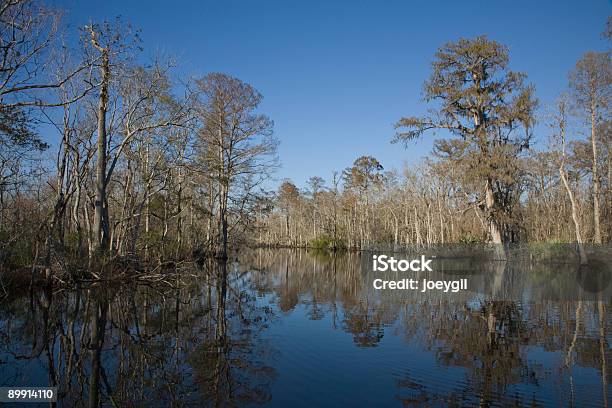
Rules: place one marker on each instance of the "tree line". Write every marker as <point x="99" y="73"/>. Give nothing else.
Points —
<point x="488" y="180"/>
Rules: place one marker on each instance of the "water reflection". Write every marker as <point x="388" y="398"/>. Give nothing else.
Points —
<point x="280" y="327"/>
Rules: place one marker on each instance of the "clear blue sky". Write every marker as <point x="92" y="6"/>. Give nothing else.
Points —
<point x="336" y="75"/>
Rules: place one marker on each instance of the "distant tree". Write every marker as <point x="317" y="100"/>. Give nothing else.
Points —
<point x="315" y="184"/>
<point x="288" y="198"/>
<point x="365" y="172"/>
<point x="485" y="104"/>
<point x="288" y="194"/>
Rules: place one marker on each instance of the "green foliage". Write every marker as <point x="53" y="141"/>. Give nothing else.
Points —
<point x="366" y="171"/>
<point x="550" y="250"/>
<point x="151" y="238"/>
<point x="325" y="242"/>
<point x="17" y="254"/>
<point x="469" y="239"/>
<point x="71" y="241"/>
<point x="489" y="110"/>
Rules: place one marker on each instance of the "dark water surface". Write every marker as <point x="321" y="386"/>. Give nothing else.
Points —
<point x="292" y="328"/>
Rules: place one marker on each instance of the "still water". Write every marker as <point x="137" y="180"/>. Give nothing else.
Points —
<point x="293" y="328"/>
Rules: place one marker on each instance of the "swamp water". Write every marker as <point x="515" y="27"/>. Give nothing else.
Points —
<point x="293" y="328"/>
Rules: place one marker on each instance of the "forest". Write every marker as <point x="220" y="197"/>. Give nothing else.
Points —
<point x="108" y="155"/>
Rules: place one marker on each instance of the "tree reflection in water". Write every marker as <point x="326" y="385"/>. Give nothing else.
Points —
<point x="202" y="339"/>
<point x="135" y="344"/>
<point x="491" y="341"/>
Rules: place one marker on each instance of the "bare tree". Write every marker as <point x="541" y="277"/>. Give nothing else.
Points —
<point x="591" y="85"/>
<point x="141" y="103"/>
<point x="28" y="34"/>
<point x="236" y="146"/>
<point x="559" y="129"/>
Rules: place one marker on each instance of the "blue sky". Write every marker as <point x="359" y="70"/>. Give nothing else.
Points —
<point x="336" y="75"/>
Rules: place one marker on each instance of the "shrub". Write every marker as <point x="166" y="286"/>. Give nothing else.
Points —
<point x="325" y="242"/>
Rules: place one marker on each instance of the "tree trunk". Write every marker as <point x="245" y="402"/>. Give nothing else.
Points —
<point x="179" y="212"/>
<point x="563" y="174"/>
<point x="100" y="226"/>
<point x="417" y="228"/>
<point x="147" y="203"/>
<point x="495" y="234"/>
<point x="609" y="191"/>
<point x="596" y="208"/>
<point x="581" y="252"/>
